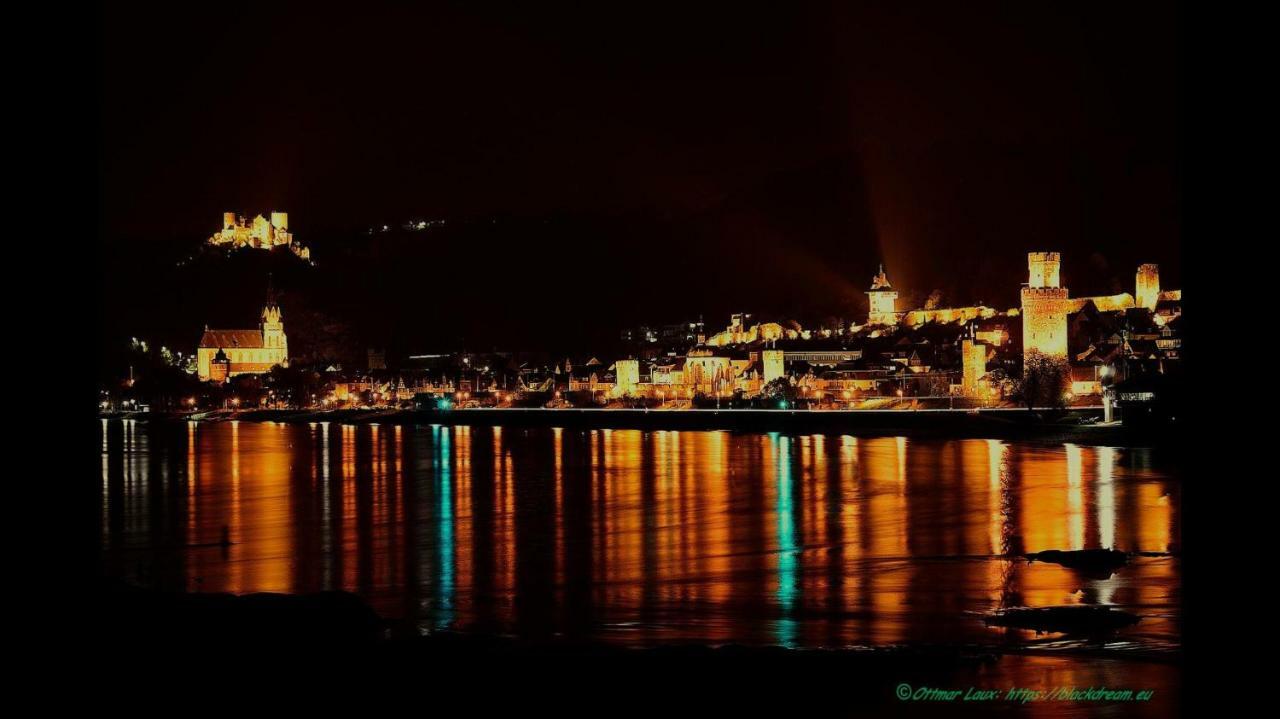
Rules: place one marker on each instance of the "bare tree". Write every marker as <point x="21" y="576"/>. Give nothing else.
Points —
<point x="1043" y="383"/>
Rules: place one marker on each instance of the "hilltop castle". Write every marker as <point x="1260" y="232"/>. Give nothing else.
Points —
<point x="262" y="234"/>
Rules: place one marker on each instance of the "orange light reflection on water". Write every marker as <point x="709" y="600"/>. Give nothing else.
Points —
<point x="646" y="537"/>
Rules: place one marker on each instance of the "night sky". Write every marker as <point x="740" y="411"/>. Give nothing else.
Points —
<point x="644" y="162"/>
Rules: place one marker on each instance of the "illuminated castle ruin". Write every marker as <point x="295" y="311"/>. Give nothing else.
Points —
<point x="914" y="318"/>
<point x="883" y="299"/>
<point x="739" y="333"/>
<point x="1044" y="307"/>
<point x="227" y="353"/>
<point x="884" y="308"/>
<point x="262" y="234"/>
<point x="1104" y="303"/>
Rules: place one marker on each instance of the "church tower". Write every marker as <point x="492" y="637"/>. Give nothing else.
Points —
<point x="884" y="298"/>
<point x="1044" y="307"/>
<point x="273" y="337"/>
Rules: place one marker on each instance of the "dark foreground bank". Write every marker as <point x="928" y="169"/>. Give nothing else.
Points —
<point x="1074" y="425"/>
<point x="133" y="629"/>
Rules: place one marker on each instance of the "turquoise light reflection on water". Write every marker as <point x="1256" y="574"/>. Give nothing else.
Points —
<point x="444" y="525"/>
<point x="788" y="548"/>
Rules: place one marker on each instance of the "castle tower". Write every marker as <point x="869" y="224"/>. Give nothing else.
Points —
<point x="273" y="337"/>
<point x="228" y="221"/>
<point x="1045" y="269"/>
<point x="261" y="232"/>
<point x="219" y="367"/>
<point x="884" y="298"/>
<point x="1147" y="292"/>
<point x="772" y="360"/>
<point x="626" y="377"/>
<point x="279" y="228"/>
<point x="1044" y="307"/>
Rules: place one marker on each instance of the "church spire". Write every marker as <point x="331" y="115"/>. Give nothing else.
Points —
<point x="880" y="281"/>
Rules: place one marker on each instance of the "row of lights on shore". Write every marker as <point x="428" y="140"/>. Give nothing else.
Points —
<point x="499" y="396"/>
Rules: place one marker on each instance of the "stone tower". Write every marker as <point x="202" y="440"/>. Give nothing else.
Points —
<point x="219" y="367"/>
<point x="974" y="360"/>
<point x="1147" y="292"/>
<point x="883" y="299"/>
<point x="1044" y="307"/>
<point x="626" y="377"/>
<point x="772" y="361"/>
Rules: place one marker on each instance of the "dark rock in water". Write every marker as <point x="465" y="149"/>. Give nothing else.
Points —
<point x="1093" y="561"/>
<point x="147" y="617"/>
<point x="1080" y="619"/>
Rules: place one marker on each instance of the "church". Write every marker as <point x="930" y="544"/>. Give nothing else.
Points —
<point x="226" y="353"/>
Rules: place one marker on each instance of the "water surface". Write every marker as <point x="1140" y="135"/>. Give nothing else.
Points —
<point x="646" y="538"/>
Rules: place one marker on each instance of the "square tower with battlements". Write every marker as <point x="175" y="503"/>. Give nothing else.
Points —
<point x="1044" y="307"/>
<point x="1147" y="292"/>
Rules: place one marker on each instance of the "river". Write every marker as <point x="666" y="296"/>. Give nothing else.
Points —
<point x="648" y="538"/>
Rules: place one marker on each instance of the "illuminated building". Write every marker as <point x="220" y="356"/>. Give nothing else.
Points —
<point x="772" y="361"/>
<point x="1147" y="289"/>
<point x="667" y="371"/>
<point x="1044" y="307"/>
<point x="592" y="376"/>
<point x="219" y="367"/>
<point x="883" y="300"/>
<point x="994" y="333"/>
<point x="678" y="333"/>
<point x="245" y="351"/>
<point x="708" y="373"/>
<point x="626" y="377"/>
<point x="974" y="361"/>
<point x="261" y="233"/>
